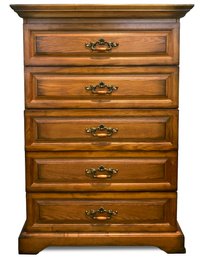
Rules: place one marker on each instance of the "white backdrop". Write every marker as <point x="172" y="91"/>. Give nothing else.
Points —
<point x="12" y="205"/>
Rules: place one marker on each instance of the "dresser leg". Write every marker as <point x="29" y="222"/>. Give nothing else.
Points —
<point x="173" y="250"/>
<point x="30" y="245"/>
<point x="173" y="244"/>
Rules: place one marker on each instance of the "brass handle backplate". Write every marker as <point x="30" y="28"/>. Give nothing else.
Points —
<point x="101" y="45"/>
<point x="101" y="214"/>
<point x="101" y="131"/>
<point x="101" y="89"/>
<point x="101" y="172"/>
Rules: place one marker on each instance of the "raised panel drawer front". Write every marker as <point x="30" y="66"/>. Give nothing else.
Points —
<point x="97" y="212"/>
<point x="102" y="44"/>
<point x="101" y="171"/>
<point x="101" y="129"/>
<point x="101" y="87"/>
<point x="101" y="125"/>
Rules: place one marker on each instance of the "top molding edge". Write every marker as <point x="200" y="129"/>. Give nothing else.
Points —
<point x="102" y="11"/>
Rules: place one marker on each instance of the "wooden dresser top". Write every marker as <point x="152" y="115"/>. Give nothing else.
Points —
<point x="99" y="11"/>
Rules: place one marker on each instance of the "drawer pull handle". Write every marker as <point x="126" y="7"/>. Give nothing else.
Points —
<point x="101" y="172"/>
<point x="101" y="89"/>
<point x="101" y="45"/>
<point x="101" y="214"/>
<point x="101" y="131"/>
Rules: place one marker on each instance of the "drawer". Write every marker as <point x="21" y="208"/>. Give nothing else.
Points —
<point x="101" y="87"/>
<point x="101" y="171"/>
<point x="97" y="212"/>
<point x="113" y="44"/>
<point x="101" y="129"/>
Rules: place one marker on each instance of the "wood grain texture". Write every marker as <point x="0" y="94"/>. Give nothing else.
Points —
<point x="66" y="130"/>
<point x="137" y="171"/>
<point x="147" y="212"/>
<point x="139" y="196"/>
<point x="140" y="87"/>
<point x="64" y="44"/>
<point x="102" y="11"/>
<point x="170" y="242"/>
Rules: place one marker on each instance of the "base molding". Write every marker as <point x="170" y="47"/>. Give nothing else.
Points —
<point x="33" y="243"/>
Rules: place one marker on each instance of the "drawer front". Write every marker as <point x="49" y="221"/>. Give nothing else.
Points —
<point x="101" y="212"/>
<point x="101" y="87"/>
<point x="101" y="130"/>
<point x="102" y="44"/>
<point x="101" y="171"/>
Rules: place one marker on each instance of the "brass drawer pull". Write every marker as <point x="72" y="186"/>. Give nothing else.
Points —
<point x="101" y="45"/>
<point x="101" y="89"/>
<point x="101" y="172"/>
<point x="101" y="214"/>
<point x="101" y="131"/>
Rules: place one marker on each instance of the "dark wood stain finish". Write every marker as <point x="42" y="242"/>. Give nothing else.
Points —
<point x="101" y="125"/>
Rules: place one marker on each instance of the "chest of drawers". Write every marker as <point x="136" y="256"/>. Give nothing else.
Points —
<point x="101" y="125"/>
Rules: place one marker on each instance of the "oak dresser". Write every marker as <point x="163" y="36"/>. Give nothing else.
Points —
<point x="101" y="125"/>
